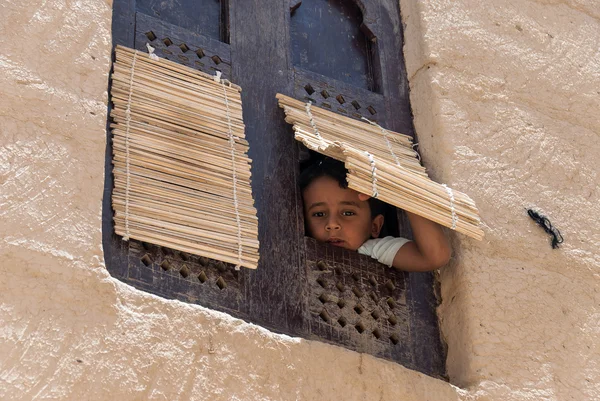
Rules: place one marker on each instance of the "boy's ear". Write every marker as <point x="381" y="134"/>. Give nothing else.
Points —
<point x="376" y="225"/>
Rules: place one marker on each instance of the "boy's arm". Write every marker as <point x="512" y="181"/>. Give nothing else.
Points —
<point x="430" y="249"/>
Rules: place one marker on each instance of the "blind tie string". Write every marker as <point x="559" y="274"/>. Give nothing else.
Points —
<point x="217" y="78"/>
<point x="414" y="147"/>
<point x="127" y="161"/>
<point x="452" y="209"/>
<point x="385" y="136"/>
<point x="313" y="123"/>
<point x="373" y="174"/>
<point x="151" y="53"/>
<point x="234" y="174"/>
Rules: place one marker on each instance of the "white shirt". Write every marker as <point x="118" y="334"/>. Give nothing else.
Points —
<point x="383" y="249"/>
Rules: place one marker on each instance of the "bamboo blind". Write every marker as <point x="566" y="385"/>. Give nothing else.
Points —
<point x="181" y="170"/>
<point x="382" y="164"/>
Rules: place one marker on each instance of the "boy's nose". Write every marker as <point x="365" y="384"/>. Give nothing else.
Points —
<point x="332" y="224"/>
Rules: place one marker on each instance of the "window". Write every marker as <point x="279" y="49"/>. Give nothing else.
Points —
<point x="301" y="287"/>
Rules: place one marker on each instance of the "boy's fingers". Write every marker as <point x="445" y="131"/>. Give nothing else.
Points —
<point x="363" y="197"/>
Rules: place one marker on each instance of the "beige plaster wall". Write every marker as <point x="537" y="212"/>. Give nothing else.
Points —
<point x="506" y="98"/>
<point x="68" y="330"/>
<point x="505" y="108"/>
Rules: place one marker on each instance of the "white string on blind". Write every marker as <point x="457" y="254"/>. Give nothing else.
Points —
<point x="181" y="169"/>
<point x="381" y="164"/>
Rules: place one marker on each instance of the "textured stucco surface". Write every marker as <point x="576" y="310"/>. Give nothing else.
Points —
<point x="506" y="99"/>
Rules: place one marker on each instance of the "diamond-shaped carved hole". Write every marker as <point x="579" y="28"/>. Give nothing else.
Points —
<point x="357" y="292"/>
<point x="146" y="260"/>
<point x="389" y="285"/>
<point x="391" y="303"/>
<point x="377" y="334"/>
<point x="200" y="53"/>
<point x="373" y="281"/>
<point x="202" y="277"/>
<point x="340" y="99"/>
<point x="151" y="36"/>
<point x="323" y="298"/>
<point x="203" y="260"/>
<point x="394" y="339"/>
<point x="321" y="265"/>
<point x="166" y="265"/>
<point x="375" y="314"/>
<point x="341" y="303"/>
<point x="342" y="321"/>
<point x="184" y="48"/>
<point x="393" y="320"/>
<point x="338" y="271"/>
<point x="359" y="309"/>
<point x="184" y="256"/>
<point x="221" y="267"/>
<point x="326" y="105"/>
<point x="221" y="283"/>
<point x="145" y="245"/>
<point x="374" y="297"/>
<point x="372" y="110"/>
<point x="355" y="104"/>
<point x="167" y="42"/>
<point x="360" y="327"/>
<point x="309" y="89"/>
<point x="217" y="60"/>
<point x="340" y="287"/>
<point x="356" y="276"/>
<point x="325" y="316"/>
<point x="325" y="94"/>
<point x="322" y="282"/>
<point x="185" y="271"/>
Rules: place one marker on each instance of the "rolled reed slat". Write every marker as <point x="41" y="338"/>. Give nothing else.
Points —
<point x="181" y="170"/>
<point x="207" y="201"/>
<point x="401" y="180"/>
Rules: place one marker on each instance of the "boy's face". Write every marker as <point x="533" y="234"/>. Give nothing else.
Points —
<point x="337" y="215"/>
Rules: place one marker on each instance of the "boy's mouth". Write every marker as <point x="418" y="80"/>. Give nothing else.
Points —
<point x="336" y="241"/>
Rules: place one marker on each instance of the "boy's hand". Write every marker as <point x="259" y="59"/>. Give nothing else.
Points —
<point x="430" y="249"/>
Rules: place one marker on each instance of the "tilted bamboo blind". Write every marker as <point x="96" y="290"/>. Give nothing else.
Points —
<point x="181" y="170"/>
<point x="382" y="164"/>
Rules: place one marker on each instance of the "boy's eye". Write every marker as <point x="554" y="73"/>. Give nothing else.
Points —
<point x="348" y="213"/>
<point x="318" y="214"/>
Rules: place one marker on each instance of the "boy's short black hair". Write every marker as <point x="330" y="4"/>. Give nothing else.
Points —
<point x="323" y="166"/>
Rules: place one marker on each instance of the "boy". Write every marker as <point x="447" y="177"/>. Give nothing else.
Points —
<point x="345" y="218"/>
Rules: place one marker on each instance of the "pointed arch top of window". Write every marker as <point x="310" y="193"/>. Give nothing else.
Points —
<point x="328" y="37"/>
